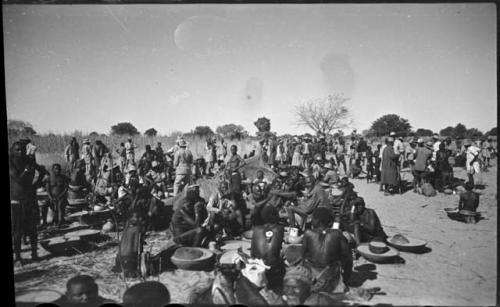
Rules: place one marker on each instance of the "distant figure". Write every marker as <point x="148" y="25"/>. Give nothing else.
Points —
<point x="146" y="294"/>
<point x="72" y="153"/>
<point x="422" y="159"/>
<point x="183" y="160"/>
<point x="122" y="155"/>
<point x="89" y="160"/>
<point x="472" y="163"/>
<point x="390" y="173"/>
<point x="130" y="152"/>
<point x="159" y="154"/>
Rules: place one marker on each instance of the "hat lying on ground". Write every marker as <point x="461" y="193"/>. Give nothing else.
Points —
<point x="377" y="252"/>
<point x="406" y="244"/>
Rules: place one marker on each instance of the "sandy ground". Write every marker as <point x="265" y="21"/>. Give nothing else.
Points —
<point x="460" y="269"/>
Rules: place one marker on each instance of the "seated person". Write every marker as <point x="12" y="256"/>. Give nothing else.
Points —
<point x="297" y="289"/>
<point x="355" y="168"/>
<point x="131" y="244"/>
<point x="221" y="214"/>
<point x="188" y="217"/>
<point x="325" y="252"/>
<point x="257" y="200"/>
<point x="331" y="175"/>
<point x="146" y="294"/>
<point x="469" y="201"/>
<point x="283" y="196"/>
<point x="260" y="180"/>
<point x="82" y="289"/>
<point x="364" y="225"/>
<point x="266" y="244"/>
<point x="78" y="182"/>
<point x="315" y="197"/>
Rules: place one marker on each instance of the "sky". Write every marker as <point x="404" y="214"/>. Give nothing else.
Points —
<point x="175" y="67"/>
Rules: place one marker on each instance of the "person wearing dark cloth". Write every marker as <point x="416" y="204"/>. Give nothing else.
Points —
<point x="377" y="162"/>
<point x="422" y="159"/>
<point x="361" y="149"/>
<point x="122" y="154"/>
<point x="468" y="202"/>
<point x="355" y="168"/>
<point x="82" y="289"/>
<point x="188" y="217"/>
<point x="159" y="153"/>
<point x="258" y="199"/>
<point x="57" y="188"/>
<point x="78" y="181"/>
<point x="146" y="294"/>
<point x="325" y="252"/>
<point x="444" y="172"/>
<point x="316" y="197"/>
<point x="234" y="164"/>
<point x="390" y="173"/>
<point x="24" y="208"/>
<point x="99" y="150"/>
<point x="370" y="164"/>
<point x="365" y="224"/>
<point x="266" y="245"/>
<point x="131" y="245"/>
<point x="72" y="153"/>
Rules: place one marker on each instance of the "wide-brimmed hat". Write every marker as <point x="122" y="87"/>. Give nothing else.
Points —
<point x="406" y="244"/>
<point x="131" y="168"/>
<point x="390" y="139"/>
<point x="377" y="252"/>
<point x="392" y="133"/>
<point x="420" y="140"/>
<point x="192" y="258"/>
<point x="429" y="144"/>
<point x="324" y="184"/>
<point x="86" y="141"/>
<point x="182" y="143"/>
<point x="435" y="136"/>
<point x="283" y="174"/>
<point x="328" y="165"/>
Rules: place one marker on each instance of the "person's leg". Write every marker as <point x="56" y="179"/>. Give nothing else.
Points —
<point x="178" y="184"/>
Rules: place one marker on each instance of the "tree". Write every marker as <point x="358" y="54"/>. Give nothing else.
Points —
<point x="203" y="131"/>
<point x="151" y="132"/>
<point x="459" y="131"/>
<point x="390" y="123"/>
<point x="473" y="133"/>
<point x="324" y="115"/>
<point x="263" y="125"/>
<point x="493" y="131"/>
<point x="16" y="127"/>
<point x="123" y="129"/>
<point x="448" y="131"/>
<point x="424" y="132"/>
<point x="232" y="131"/>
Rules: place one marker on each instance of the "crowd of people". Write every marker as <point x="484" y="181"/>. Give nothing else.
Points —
<point x="312" y="193"/>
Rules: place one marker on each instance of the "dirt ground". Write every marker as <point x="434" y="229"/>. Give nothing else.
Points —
<point x="460" y="269"/>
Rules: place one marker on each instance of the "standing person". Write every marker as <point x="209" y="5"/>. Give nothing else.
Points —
<point x="183" y="160"/>
<point x="130" y="152"/>
<point x="486" y="152"/>
<point x="209" y="156"/>
<point x="361" y="150"/>
<point x="444" y="171"/>
<point x="57" y="189"/>
<point x="435" y="146"/>
<point x="381" y="151"/>
<point x="297" y="156"/>
<point x="306" y="152"/>
<point x="98" y="152"/>
<point x="122" y="155"/>
<point x="72" y="153"/>
<point x="377" y="161"/>
<point x="24" y="208"/>
<point x="89" y="160"/>
<point x="390" y="160"/>
<point x="339" y="154"/>
<point x="234" y="164"/>
<point x="159" y="154"/>
<point x="472" y="163"/>
<point x="280" y="152"/>
<point x="422" y="158"/>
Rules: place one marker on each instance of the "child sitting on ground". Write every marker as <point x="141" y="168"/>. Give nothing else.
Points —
<point x="468" y="203"/>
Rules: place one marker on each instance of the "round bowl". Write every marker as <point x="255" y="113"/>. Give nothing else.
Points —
<point x="192" y="258"/>
<point x="38" y="296"/>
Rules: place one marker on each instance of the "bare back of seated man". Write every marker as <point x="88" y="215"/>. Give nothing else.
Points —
<point x="323" y="249"/>
<point x="267" y="240"/>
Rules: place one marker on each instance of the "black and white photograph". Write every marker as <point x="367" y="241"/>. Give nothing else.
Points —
<point x="252" y="153"/>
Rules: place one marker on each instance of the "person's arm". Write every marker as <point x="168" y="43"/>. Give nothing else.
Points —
<point x="176" y="159"/>
<point x="461" y="202"/>
<point x="65" y="190"/>
<point x="345" y="257"/>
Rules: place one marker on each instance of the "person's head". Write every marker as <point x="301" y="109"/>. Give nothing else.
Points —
<point x="148" y="147"/>
<point x="158" y="144"/>
<point x="18" y="149"/>
<point x="73" y="140"/>
<point x="389" y="141"/>
<point x="379" y="146"/>
<point x="129" y="139"/>
<point x="136" y="218"/>
<point x="56" y="168"/>
<point x="322" y="218"/>
<point x="193" y="192"/>
<point x="441" y="146"/>
<point x="223" y="187"/>
<point x="81" y="289"/>
<point x="359" y="205"/>
<point x="234" y="149"/>
<point x="260" y="174"/>
<point x="270" y="215"/>
<point x="297" y="285"/>
<point x="310" y="181"/>
<point x="98" y="142"/>
<point x="469" y="186"/>
<point x="146" y="294"/>
<point x="122" y="144"/>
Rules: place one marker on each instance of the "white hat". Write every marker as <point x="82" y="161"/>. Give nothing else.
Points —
<point x="154" y="164"/>
<point x="420" y="140"/>
<point x="392" y="133"/>
<point x="131" y="168"/>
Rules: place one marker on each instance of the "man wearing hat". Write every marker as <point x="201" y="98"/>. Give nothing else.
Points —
<point x="317" y="197"/>
<point x="422" y="159"/>
<point x="183" y="160"/>
<point x="435" y="146"/>
<point x="390" y="174"/>
<point x="472" y="160"/>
